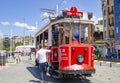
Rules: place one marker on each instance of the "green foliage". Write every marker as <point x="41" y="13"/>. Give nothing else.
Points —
<point x="95" y="57"/>
<point x="97" y="50"/>
<point x="6" y="45"/>
<point x="18" y="44"/>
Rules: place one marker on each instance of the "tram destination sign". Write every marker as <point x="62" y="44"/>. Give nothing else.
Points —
<point x="73" y="12"/>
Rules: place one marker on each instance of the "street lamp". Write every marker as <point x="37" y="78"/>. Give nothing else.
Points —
<point x="1" y="48"/>
<point x="24" y="37"/>
<point x="11" y="43"/>
<point x="24" y="32"/>
<point x="1" y="41"/>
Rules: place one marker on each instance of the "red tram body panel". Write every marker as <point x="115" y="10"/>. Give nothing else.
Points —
<point x="68" y="59"/>
<point x="55" y="54"/>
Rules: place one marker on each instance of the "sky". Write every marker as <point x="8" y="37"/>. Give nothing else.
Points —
<point x="25" y="17"/>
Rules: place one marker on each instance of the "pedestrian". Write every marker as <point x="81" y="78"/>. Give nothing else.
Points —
<point x="30" y="54"/>
<point x="16" y="57"/>
<point x="13" y="56"/>
<point x="36" y="62"/>
<point x="118" y="54"/>
<point x="108" y="55"/>
<point x="42" y="59"/>
<point x="20" y="57"/>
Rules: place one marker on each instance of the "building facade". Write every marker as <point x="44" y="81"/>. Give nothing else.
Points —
<point x="117" y="19"/>
<point x="117" y="25"/>
<point x="108" y="24"/>
<point x="99" y="40"/>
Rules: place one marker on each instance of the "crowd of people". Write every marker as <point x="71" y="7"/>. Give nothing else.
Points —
<point x="17" y="56"/>
<point x="41" y="60"/>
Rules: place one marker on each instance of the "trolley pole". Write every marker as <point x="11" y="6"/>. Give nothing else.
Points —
<point x="11" y="43"/>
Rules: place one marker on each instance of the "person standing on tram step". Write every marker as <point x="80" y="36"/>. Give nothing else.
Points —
<point x="42" y="59"/>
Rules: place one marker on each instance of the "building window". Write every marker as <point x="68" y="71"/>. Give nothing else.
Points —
<point x="108" y="2"/>
<point x="100" y="22"/>
<point x="105" y="3"/>
<point x="108" y="10"/>
<point x="119" y="16"/>
<point x="104" y="23"/>
<point x="113" y="33"/>
<point x="112" y="10"/>
<point x="119" y="6"/>
<point x="104" y="13"/>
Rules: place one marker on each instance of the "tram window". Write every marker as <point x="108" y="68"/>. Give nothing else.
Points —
<point x="46" y="38"/>
<point x="55" y="35"/>
<point x="67" y="33"/>
<point x="41" y="38"/>
<point x="75" y="32"/>
<point x="84" y="34"/>
<point x="61" y="37"/>
<point x="91" y="35"/>
<point x="37" y="39"/>
<point x="55" y="42"/>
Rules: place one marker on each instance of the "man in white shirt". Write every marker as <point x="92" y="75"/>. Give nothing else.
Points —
<point x="42" y="60"/>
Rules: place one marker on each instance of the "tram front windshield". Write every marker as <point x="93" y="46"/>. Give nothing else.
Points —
<point x="79" y="33"/>
<point x="74" y="33"/>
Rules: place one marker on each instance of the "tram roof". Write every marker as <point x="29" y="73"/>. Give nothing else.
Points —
<point x="73" y="20"/>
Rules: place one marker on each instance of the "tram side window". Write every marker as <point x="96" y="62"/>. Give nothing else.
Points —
<point x="55" y="35"/>
<point x="41" y="38"/>
<point x="61" y="37"/>
<point x="37" y="39"/>
<point x="46" y="38"/>
<point x="91" y="35"/>
<point x="67" y="33"/>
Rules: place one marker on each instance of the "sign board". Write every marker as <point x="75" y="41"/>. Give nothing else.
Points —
<point x="117" y="46"/>
<point x="25" y="49"/>
<point x="73" y="12"/>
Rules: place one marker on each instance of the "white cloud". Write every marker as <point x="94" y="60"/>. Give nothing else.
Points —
<point x="6" y="23"/>
<point x="24" y="25"/>
<point x="46" y="15"/>
<point x="64" y="1"/>
<point x="18" y="24"/>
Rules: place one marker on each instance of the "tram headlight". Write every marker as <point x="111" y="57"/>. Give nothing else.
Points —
<point x="80" y="59"/>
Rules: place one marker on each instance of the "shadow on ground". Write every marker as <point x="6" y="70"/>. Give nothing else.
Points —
<point x="35" y="72"/>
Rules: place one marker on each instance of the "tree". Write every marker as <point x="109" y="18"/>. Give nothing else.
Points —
<point x="6" y="45"/>
<point x="18" y="44"/>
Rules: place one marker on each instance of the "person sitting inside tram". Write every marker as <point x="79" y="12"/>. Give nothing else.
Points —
<point x="76" y="36"/>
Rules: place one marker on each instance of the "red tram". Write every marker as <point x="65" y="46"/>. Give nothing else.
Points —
<point x="70" y="39"/>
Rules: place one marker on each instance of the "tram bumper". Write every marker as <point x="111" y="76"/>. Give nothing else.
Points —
<point x="78" y="69"/>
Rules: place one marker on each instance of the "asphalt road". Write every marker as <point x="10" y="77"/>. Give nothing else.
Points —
<point x="26" y="72"/>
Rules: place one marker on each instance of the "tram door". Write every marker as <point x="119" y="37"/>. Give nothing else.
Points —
<point x="55" y="36"/>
